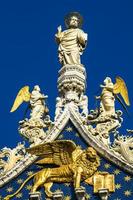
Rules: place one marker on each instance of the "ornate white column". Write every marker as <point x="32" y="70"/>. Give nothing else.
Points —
<point x="72" y="82"/>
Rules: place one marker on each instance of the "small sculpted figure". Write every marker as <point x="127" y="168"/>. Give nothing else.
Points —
<point x="107" y="97"/>
<point x="108" y="119"/>
<point x="33" y="128"/>
<point x="37" y="103"/>
<point x="110" y="93"/>
<point x="72" y="41"/>
<point x="84" y="105"/>
<point x="59" y="107"/>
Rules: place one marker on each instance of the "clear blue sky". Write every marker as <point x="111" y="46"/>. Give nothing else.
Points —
<point x="28" y="53"/>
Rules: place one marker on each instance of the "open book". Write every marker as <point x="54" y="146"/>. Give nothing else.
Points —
<point x="104" y="182"/>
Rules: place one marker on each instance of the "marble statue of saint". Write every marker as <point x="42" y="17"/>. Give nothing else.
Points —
<point x="72" y="41"/>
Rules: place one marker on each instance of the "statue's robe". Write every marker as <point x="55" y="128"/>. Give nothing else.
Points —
<point x="37" y="105"/>
<point x="71" y="46"/>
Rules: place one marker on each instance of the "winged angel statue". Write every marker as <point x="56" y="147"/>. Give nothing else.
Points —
<point x="110" y="93"/>
<point x="106" y="118"/>
<point x="32" y="128"/>
<point x="35" y="98"/>
<point x="72" y="165"/>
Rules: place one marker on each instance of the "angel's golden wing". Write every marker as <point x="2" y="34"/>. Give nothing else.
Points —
<point x="23" y="95"/>
<point x="120" y="87"/>
<point x="58" y="152"/>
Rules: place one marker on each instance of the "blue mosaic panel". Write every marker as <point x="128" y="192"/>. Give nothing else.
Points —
<point x="123" y="181"/>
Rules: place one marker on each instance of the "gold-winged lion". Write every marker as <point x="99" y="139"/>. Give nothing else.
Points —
<point x="72" y="165"/>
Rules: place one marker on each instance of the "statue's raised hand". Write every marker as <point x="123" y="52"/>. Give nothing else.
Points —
<point x="59" y="29"/>
<point x="59" y="34"/>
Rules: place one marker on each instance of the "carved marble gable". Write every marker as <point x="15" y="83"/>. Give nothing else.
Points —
<point x="123" y="180"/>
